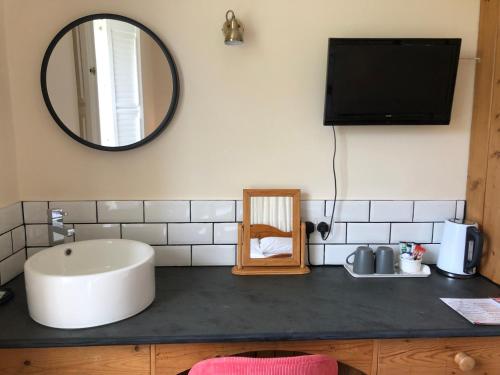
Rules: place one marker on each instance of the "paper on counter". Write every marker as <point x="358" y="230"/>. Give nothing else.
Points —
<point x="484" y="311"/>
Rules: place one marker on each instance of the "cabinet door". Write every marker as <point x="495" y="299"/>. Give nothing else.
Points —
<point x="437" y="356"/>
<point x="484" y="351"/>
<point x="93" y="360"/>
<point x="412" y="357"/>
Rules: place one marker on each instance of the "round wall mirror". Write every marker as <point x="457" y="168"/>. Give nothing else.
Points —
<point x="109" y="82"/>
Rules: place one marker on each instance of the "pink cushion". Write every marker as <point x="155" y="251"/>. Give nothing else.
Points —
<point x="301" y="365"/>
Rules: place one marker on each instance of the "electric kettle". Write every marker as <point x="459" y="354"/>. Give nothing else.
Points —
<point x="460" y="250"/>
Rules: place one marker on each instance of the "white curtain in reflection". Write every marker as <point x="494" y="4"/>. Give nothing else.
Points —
<point x="274" y="211"/>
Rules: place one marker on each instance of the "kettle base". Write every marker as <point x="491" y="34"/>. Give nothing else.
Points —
<point x="455" y="275"/>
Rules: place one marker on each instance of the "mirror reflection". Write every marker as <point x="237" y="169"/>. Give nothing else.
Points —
<point x="109" y="82"/>
<point x="271" y="227"/>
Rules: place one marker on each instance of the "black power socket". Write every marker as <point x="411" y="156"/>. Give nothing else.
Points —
<point x="323" y="228"/>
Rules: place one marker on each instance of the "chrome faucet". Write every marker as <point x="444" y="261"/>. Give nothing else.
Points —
<point x="57" y="232"/>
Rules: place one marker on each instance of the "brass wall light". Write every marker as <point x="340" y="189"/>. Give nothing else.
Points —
<point x="232" y="30"/>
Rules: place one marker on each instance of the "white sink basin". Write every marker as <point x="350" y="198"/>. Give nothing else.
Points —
<point x="89" y="283"/>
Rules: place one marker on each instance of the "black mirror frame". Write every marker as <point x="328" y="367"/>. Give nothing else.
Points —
<point x="173" y="69"/>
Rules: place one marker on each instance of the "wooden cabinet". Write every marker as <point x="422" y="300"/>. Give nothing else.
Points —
<point x="95" y="360"/>
<point x="371" y="357"/>
<point x="433" y="357"/>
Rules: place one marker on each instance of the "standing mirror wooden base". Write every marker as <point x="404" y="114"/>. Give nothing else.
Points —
<point x="240" y="269"/>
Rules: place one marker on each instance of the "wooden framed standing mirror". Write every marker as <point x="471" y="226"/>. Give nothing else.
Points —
<point x="271" y="239"/>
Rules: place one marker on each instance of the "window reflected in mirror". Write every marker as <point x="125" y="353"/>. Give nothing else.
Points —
<point x="271" y="222"/>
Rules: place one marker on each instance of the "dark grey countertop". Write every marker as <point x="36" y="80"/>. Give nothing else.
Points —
<point x="209" y="304"/>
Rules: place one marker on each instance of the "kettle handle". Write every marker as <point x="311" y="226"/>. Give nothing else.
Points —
<point x="473" y="234"/>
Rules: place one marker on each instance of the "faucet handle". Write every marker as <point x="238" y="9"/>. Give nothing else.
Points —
<point x="56" y="213"/>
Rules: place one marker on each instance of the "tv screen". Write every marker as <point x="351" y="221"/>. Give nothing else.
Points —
<point x="390" y="81"/>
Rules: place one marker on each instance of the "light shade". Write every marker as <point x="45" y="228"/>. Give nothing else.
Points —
<point x="232" y="29"/>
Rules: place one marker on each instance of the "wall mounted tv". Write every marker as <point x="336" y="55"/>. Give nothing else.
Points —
<point x="390" y="81"/>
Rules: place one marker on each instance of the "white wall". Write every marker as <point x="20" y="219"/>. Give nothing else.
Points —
<point x="249" y="116"/>
<point x="8" y="175"/>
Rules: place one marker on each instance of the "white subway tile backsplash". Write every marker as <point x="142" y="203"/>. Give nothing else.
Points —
<point x="311" y="209"/>
<point x="166" y="211"/>
<point x="190" y="233"/>
<point x="153" y="234"/>
<point x="120" y="211"/>
<point x="213" y="211"/>
<point x="172" y="255"/>
<point x="460" y="214"/>
<point x="338" y="235"/>
<point x="349" y="210"/>
<point x="214" y="255"/>
<point x="18" y="238"/>
<point x="77" y="211"/>
<point x="35" y="212"/>
<point x="317" y="254"/>
<point x="37" y="235"/>
<point x="437" y="232"/>
<point x="10" y="217"/>
<point x="239" y="211"/>
<point x="226" y="233"/>
<point x="411" y="232"/>
<point x="368" y="232"/>
<point x="96" y="231"/>
<point x="434" y="210"/>
<point x="336" y="254"/>
<point x="186" y="233"/>
<point x="385" y="211"/>
<point x="5" y="245"/>
<point x="12" y="266"/>
<point x="33" y="250"/>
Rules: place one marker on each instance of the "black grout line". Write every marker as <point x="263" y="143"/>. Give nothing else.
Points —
<point x="14" y="253"/>
<point x="24" y="225"/>
<point x="10" y="230"/>
<point x="11" y="241"/>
